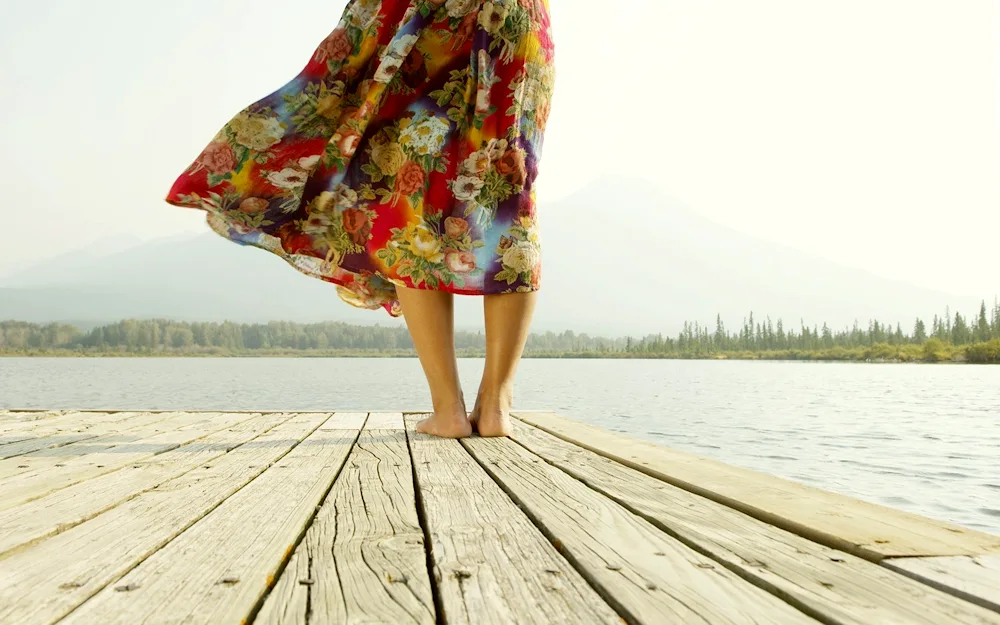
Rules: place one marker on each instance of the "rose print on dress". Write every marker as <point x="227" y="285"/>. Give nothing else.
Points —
<point x="521" y="255"/>
<point x="410" y="140"/>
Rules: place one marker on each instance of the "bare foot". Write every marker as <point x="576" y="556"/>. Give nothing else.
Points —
<point x="491" y="414"/>
<point x="446" y="425"/>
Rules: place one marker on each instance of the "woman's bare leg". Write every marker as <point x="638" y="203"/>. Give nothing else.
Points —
<point x="430" y="317"/>
<point x="508" y="318"/>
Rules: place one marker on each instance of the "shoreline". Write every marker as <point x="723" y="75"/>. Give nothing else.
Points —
<point x="776" y="356"/>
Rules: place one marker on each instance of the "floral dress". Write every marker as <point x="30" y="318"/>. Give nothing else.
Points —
<point x="404" y="154"/>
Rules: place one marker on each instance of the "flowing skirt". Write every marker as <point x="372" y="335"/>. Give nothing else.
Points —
<point x="405" y="153"/>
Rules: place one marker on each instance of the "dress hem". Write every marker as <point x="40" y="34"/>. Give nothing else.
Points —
<point x="392" y="306"/>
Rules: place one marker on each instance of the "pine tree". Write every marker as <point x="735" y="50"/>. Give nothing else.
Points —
<point x="960" y="331"/>
<point x="982" y="324"/>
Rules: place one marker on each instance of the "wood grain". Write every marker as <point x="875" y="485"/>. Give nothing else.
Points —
<point x="868" y="530"/>
<point x="46" y="581"/>
<point x="385" y="421"/>
<point x="347" y="421"/>
<point x="135" y="426"/>
<point x="14" y="416"/>
<point x="21" y="434"/>
<point x="51" y="470"/>
<point x="19" y="429"/>
<point x="974" y="579"/>
<point x="217" y="571"/>
<point x="652" y="577"/>
<point x="363" y="558"/>
<point x="832" y="585"/>
<point x="83" y="430"/>
<point x="68" y="507"/>
<point x="491" y="564"/>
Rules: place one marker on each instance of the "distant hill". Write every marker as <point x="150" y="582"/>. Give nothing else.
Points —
<point x="675" y="265"/>
<point x="605" y="272"/>
<point x="197" y="278"/>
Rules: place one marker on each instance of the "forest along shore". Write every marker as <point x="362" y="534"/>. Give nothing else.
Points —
<point x="946" y="339"/>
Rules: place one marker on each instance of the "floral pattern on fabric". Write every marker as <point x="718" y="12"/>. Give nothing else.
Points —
<point x="404" y="154"/>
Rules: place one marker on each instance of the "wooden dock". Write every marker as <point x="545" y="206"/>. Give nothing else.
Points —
<point x="314" y="518"/>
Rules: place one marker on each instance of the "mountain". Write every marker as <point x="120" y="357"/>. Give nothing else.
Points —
<point x="198" y="278"/>
<point x="63" y="268"/>
<point x="606" y="272"/>
<point x="671" y="265"/>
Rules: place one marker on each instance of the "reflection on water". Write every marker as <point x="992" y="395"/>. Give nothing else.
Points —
<point x="924" y="438"/>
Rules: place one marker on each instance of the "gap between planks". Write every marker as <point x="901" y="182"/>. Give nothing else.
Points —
<point x="492" y="564"/>
<point x="30" y="477"/>
<point x="220" y="569"/>
<point x="975" y="579"/>
<point x="363" y="558"/>
<point x="649" y="576"/>
<point x="833" y="586"/>
<point x="49" y="580"/>
<point x="66" y="508"/>
<point x="864" y="529"/>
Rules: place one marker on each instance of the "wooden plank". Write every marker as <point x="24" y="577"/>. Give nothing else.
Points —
<point x="28" y="445"/>
<point x="9" y="417"/>
<point x="831" y="585"/>
<point x="385" y="421"/>
<point x="85" y="430"/>
<point x="364" y="554"/>
<point x="973" y="579"/>
<point x="129" y="430"/>
<point x="52" y="470"/>
<point x="649" y="576"/>
<point x="865" y="529"/>
<point x="347" y="421"/>
<point x="216" y="572"/>
<point x="12" y="416"/>
<point x="68" y="507"/>
<point x="46" y="581"/>
<point x="66" y="421"/>
<point x="491" y="564"/>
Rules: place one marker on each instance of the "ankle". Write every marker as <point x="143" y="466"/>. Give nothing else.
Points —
<point x="502" y="394"/>
<point x="449" y="406"/>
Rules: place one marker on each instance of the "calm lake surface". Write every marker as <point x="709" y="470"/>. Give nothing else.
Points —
<point x="923" y="438"/>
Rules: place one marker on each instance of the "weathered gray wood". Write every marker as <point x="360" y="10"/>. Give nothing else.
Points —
<point x="833" y="585"/>
<point x="491" y="564"/>
<point x="79" y="462"/>
<point x="134" y="427"/>
<point x="650" y="576"/>
<point x="44" y="582"/>
<point x="385" y="421"/>
<point x="83" y="430"/>
<point x="347" y="421"/>
<point x="17" y="431"/>
<point x="868" y="530"/>
<point x="973" y="579"/>
<point x="64" y="421"/>
<point x="28" y="445"/>
<point x="13" y="416"/>
<point x="68" y="507"/>
<point x="217" y="571"/>
<point x="363" y="557"/>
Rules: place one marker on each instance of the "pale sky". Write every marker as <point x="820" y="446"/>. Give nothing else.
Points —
<point x="863" y="131"/>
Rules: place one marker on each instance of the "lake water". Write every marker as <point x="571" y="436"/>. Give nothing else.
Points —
<point x="923" y="438"/>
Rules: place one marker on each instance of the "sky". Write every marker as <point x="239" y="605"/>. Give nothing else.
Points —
<point x="865" y="132"/>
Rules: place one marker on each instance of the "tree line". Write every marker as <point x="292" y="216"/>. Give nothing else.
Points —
<point x="942" y="337"/>
<point x="947" y="337"/>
